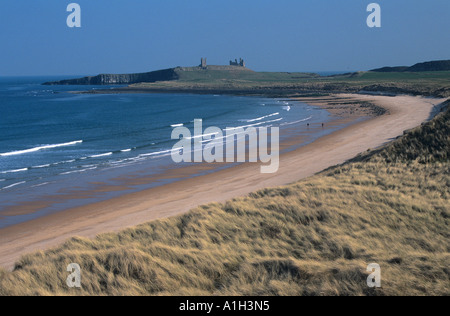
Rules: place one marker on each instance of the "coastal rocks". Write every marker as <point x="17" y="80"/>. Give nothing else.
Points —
<point x="112" y="79"/>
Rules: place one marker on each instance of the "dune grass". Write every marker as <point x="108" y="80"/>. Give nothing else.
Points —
<point x="313" y="237"/>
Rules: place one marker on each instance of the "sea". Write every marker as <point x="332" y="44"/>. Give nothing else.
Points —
<point x="55" y="143"/>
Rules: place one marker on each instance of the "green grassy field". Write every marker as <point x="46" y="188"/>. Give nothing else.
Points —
<point x="438" y="77"/>
<point x="313" y="237"/>
<point x="287" y="84"/>
<point x="211" y="75"/>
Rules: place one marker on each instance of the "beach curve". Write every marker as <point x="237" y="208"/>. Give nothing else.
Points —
<point x="404" y="112"/>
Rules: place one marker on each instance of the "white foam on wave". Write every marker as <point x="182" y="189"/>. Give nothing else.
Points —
<point x="236" y="129"/>
<point x="27" y="151"/>
<point x="287" y="108"/>
<point x="261" y="118"/>
<point x="119" y="161"/>
<point x="101" y="155"/>
<point x="159" y="152"/>
<point x="40" y="185"/>
<point x="14" y="171"/>
<point x="78" y="171"/>
<point x="296" y="122"/>
<point x="256" y="124"/>
<point x="13" y="185"/>
<point x="88" y="166"/>
<point x="53" y="164"/>
<point x="42" y="166"/>
<point x="126" y="150"/>
<point x="177" y="125"/>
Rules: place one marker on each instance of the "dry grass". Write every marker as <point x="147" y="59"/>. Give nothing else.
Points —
<point x="314" y="237"/>
<point x="425" y="144"/>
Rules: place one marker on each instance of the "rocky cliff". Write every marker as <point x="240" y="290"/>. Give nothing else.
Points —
<point x="111" y="79"/>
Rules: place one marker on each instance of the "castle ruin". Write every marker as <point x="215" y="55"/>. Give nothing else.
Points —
<point x="241" y="63"/>
<point x="203" y="63"/>
<point x="235" y="63"/>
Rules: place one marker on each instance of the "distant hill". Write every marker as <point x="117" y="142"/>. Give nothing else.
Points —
<point x="392" y="69"/>
<point x="440" y="65"/>
<point x="156" y="76"/>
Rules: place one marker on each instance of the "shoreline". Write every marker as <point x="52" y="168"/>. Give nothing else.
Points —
<point x="112" y="181"/>
<point x="112" y="215"/>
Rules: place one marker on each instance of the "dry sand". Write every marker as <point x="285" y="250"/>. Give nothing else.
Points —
<point x="405" y="112"/>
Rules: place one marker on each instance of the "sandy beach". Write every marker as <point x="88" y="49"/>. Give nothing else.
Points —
<point x="403" y="113"/>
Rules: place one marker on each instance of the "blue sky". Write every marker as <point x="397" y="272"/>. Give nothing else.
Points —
<point x="121" y="36"/>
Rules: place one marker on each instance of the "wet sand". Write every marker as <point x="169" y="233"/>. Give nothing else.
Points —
<point x="403" y="113"/>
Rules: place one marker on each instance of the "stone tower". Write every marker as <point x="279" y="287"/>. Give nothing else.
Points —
<point x="203" y="63"/>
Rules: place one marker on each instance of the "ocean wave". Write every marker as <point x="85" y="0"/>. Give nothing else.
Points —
<point x="226" y="130"/>
<point x="40" y="185"/>
<point x="78" y="171"/>
<point x="27" y="151"/>
<point x="118" y="161"/>
<point x="62" y="162"/>
<point x="156" y="153"/>
<point x="261" y="118"/>
<point x="253" y="125"/>
<point x="70" y="172"/>
<point x="296" y="122"/>
<point x="177" y="125"/>
<point x="88" y="166"/>
<point x="14" y="171"/>
<point x="54" y="164"/>
<point x="42" y="166"/>
<point x="13" y="185"/>
<point x="287" y="108"/>
<point x="126" y="150"/>
<point x="101" y="155"/>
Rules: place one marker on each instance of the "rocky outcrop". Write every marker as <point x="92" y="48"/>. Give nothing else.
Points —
<point x="441" y="65"/>
<point x="112" y="79"/>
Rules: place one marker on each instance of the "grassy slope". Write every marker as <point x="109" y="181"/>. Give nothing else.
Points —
<point x="310" y="238"/>
<point x="208" y="76"/>
<point x="423" y="83"/>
